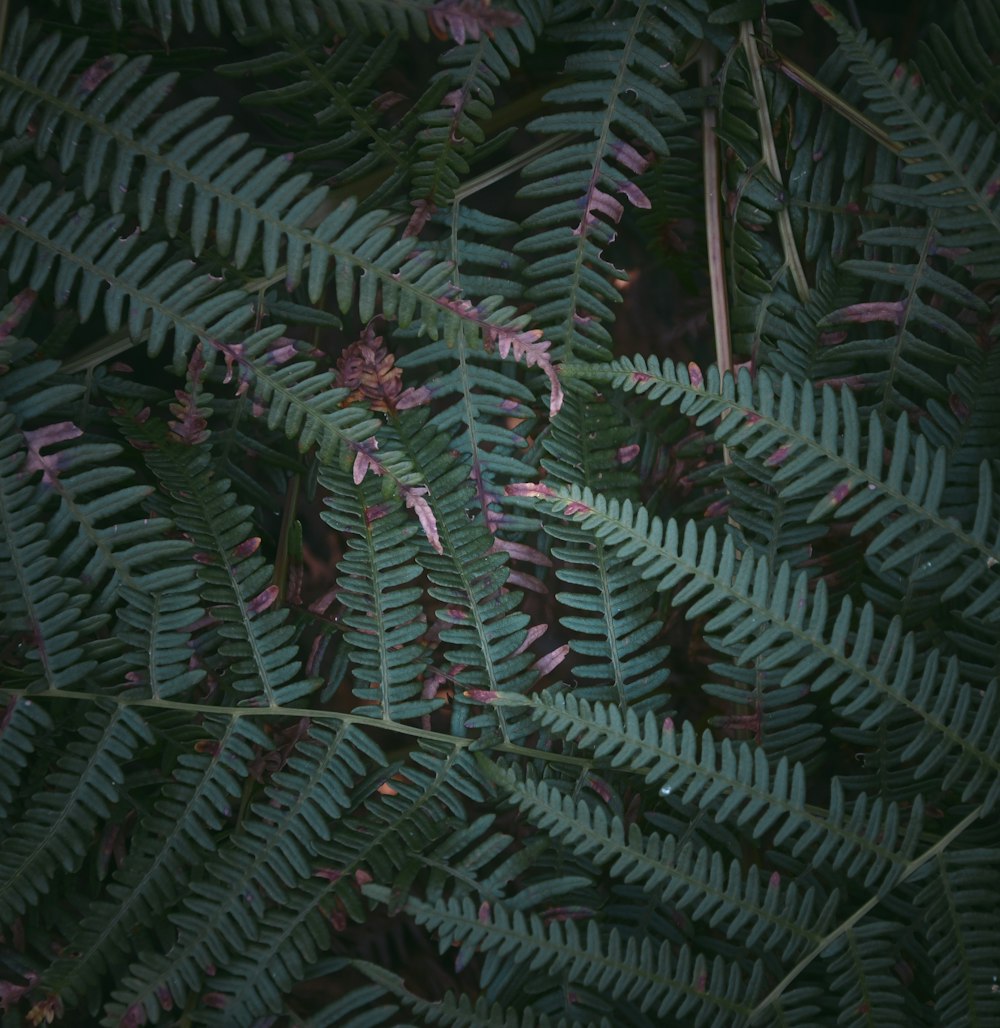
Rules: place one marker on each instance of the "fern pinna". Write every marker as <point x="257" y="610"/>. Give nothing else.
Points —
<point x="402" y="620"/>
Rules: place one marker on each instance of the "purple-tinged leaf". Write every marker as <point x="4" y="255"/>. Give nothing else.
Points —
<point x="535" y="489"/>
<point x="245" y="548"/>
<point x="16" y="310"/>
<point x="481" y="695"/>
<point x="264" y="599"/>
<point x="551" y="660"/>
<point x="93" y="76"/>
<point x="415" y="497"/>
<point x="49" y="435"/>
<point x="635" y="196"/>
<point x="862" y="313"/>
<point x="461" y="20"/>
<point x="628" y="157"/>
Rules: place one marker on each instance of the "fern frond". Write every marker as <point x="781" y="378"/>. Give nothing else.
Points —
<point x="243" y="200"/>
<point x="612" y="618"/>
<point x="329" y="111"/>
<point x="456" y="1011"/>
<point x="277" y="16"/>
<point x="266" y="862"/>
<point x="738" y="783"/>
<point x="831" y="453"/>
<point x="485" y="636"/>
<point x="870" y="677"/>
<point x="950" y="164"/>
<point x="922" y="333"/>
<point x="258" y="644"/>
<point x="58" y="819"/>
<point x="681" y="984"/>
<point x="155" y="628"/>
<point x="956" y="57"/>
<point x="687" y="877"/>
<point x="383" y="610"/>
<point x="176" y="837"/>
<point x="491" y="417"/>
<point x="627" y="72"/>
<point x="450" y="136"/>
<point x="291" y="933"/>
<point x="862" y="975"/>
<point x="21" y="724"/>
<point x="959" y="907"/>
<point x="41" y="604"/>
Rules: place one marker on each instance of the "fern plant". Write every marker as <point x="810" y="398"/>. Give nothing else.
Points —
<point x="404" y="618"/>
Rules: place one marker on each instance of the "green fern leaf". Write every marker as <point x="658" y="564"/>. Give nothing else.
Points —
<point x="59" y="818"/>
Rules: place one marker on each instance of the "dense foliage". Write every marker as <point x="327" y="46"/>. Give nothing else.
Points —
<point x="498" y="514"/>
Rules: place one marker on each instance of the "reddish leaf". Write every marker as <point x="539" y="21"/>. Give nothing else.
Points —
<point x="11" y="993"/>
<point x="49" y="435"/>
<point x="263" y="600"/>
<point x="282" y="351"/>
<point x="233" y="354"/>
<point x="481" y="695"/>
<point x="468" y="19"/>
<point x="365" y="459"/>
<point x="635" y="196"/>
<point x="189" y="425"/>
<point x="422" y="211"/>
<point x="369" y="371"/>
<point x="96" y="74"/>
<point x="415" y="498"/>
<point x="779" y="456"/>
<point x="629" y="157"/>
<point x="134" y="1016"/>
<point x="246" y="547"/>
<point x="598" y="202"/>
<point x="15" y="311"/>
<point x="45" y="1011"/>
<point x="600" y="787"/>
<point x="551" y="660"/>
<point x="521" y="551"/>
<point x="416" y="397"/>
<point x="862" y="313"/>
<point x="536" y="489"/>
<point x="525" y="345"/>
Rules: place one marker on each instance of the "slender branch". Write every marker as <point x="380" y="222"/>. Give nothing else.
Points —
<point x="792" y="259"/>
<point x="713" y="219"/>
<point x="834" y="101"/>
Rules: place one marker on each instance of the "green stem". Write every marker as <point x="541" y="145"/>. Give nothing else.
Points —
<point x="207" y="709"/>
